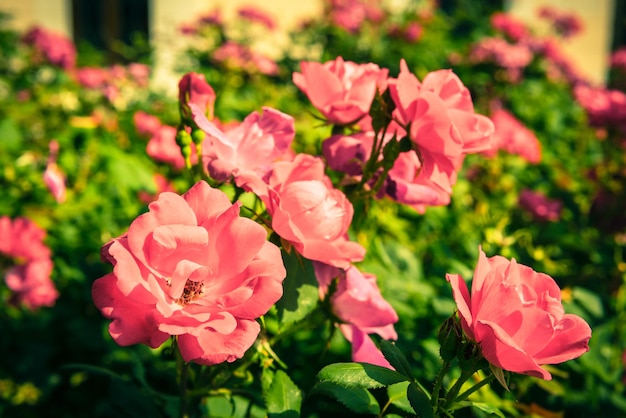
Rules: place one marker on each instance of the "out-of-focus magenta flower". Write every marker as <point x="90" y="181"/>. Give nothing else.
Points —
<point x="193" y="268"/>
<point x="53" y="177"/>
<point x="28" y="275"/>
<point x="193" y="89"/>
<point x="542" y="208"/>
<point x="513" y="28"/>
<point x="618" y="59"/>
<point x="513" y="57"/>
<point x="342" y="91"/>
<point x="513" y="137"/>
<point x="351" y="14"/>
<point x="516" y="316"/>
<point x="565" y="24"/>
<point x="55" y="48"/>
<point x="162" y="147"/>
<point x="146" y="124"/>
<point x="139" y="73"/>
<point x="251" y="147"/>
<point x="257" y="15"/>
<point x="603" y="106"/>
<point x="307" y="211"/>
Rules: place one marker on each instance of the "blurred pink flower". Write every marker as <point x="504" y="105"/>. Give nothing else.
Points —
<point x="257" y="15"/>
<point x="56" y="48"/>
<point x="193" y="268"/>
<point x="618" y="59"/>
<point x="146" y="124"/>
<point x="351" y="14"/>
<point x="515" y="315"/>
<point x="53" y="177"/>
<point x="242" y="57"/>
<point x="513" y="137"/>
<point x="542" y="208"/>
<point x="28" y="277"/>
<point x="342" y="91"/>
<point x="307" y="211"/>
<point x="162" y="147"/>
<point x="565" y="24"/>
<point x="513" y="57"/>
<point x="513" y="28"/>
<point x="92" y="77"/>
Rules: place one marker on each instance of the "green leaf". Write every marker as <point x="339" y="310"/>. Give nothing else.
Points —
<point x="419" y="401"/>
<point x="356" y="399"/>
<point x="362" y="375"/>
<point x="490" y="409"/>
<point x="300" y="290"/>
<point x="591" y="302"/>
<point x="499" y="375"/>
<point x="398" y="396"/>
<point x="396" y="358"/>
<point x="283" y="397"/>
<point x="10" y="136"/>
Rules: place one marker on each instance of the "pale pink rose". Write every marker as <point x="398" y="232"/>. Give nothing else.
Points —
<point x="516" y="316"/>
<point x="513" y="137"/>
<point x="362" y="310"/>
<point x="146" y="124"/>
<point x="193" y="268"/>
<point x="28" y="277"/>
<point x="162" y="147"/>
<point x="307" y="211"/>
<point x="193" y="89"/>
<point x="542" y="208"/>
<point x="249" y="148"/>
<point x="342" y="91"/>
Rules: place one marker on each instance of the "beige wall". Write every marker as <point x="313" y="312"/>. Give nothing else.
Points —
<point x="588" y="50"/>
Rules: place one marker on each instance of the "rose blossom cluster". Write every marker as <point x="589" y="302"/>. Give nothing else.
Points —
<point x="435" y="115"/>
<point x="565" y="24"/>
<point x="115" y="82"/>
<point x="351" y="14"/>
<point x="539" y="206"/>
<point x="603" y="106"/>
<point x="512" y="57"/>
<point x="26" y="263"/>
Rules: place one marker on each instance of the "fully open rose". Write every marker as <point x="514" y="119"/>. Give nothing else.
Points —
<point x="515" y="315"/>
<point x="191" y="267"/>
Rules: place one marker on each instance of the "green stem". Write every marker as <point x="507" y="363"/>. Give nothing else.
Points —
<point x="474" y="388"/>
<point x="182" y="373"/>
<point x="454" y="391"/>
<point x="445" y="368"/>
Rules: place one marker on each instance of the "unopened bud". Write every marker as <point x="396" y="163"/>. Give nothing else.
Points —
<point x="197" y="136"/>
<point x="449" y="337"/>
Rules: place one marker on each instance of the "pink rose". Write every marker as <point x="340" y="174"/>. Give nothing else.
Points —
<point x="308" y="211"/>
<point x="29" y="275"/>
<point x="342" y="90"/>
<point x="362" y="310"/>
<point x="250" y="147"/>
<point x="146" y="124"/>
<point x="193" y="89"/>
<point x="515" y="315"/>
<point x="193" y="268"/>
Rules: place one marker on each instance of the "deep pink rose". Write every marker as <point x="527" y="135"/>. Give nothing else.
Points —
<point x="29" y="274"/>
<point x="193" y="89"/>
<point x="193" y="268"/>
<point x="307" y="210"/>
<point x="251" y="147"/>
<point x="515" y="315"/>
<point x="342" y="91"/>
<point x="542" y="208"/>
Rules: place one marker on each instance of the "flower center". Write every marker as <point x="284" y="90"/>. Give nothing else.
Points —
<point x="191" y="291"/>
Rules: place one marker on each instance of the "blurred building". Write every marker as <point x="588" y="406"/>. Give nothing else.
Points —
<point x="103" y="22"/>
